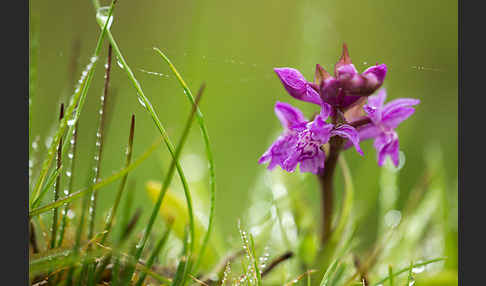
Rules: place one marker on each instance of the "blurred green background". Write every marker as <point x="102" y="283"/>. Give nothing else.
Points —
<point x="233" y="47"/>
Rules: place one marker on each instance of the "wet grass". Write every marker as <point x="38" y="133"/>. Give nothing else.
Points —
<point x="278" y="238"/>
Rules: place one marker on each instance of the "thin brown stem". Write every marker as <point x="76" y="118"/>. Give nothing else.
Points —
<point x="33" y="238"/>
<point x="360" y="122"/>
<point x="327" y="187"/>
<point x="287" y="255"/>
<point x="326" y="180"/>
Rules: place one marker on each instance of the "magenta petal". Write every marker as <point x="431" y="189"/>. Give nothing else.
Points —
<point x="392" y="150"/>
<point x="366" y="132"/>
<point x="387" y="144"/>
<point x="348" y="132"/>
<point x="375" y="105"/>
<point x="290" y="163"/>
<point x="279" y="151"/>
<point x="288" y="115"/>
<point x="346" y="71"/>
<point x="313" y="164"/>
<point x="396" y="116"/>
<point x="326" y="110"/>
<point x="400" y="102"/>
<point x="297" y="86"/>
<point x="321" y="130"/>
<point x="379" y="71"/>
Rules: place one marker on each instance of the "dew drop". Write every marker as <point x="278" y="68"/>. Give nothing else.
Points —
<point x="140" y="100"/>
<point x="392" y="218"/>
<point x="102" y="16"/>
<point x="418" y="269"/>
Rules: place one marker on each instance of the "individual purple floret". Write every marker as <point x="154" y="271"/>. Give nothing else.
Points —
<point x="384" y="119"/>
<point x="341" y="91"/>
<point x="302" y="140"/>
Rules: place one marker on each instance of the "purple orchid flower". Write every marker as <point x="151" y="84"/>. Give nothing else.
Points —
<point x="302" y="140"/>
<point x="341" y="91"/>
<point x="384" y="119"/>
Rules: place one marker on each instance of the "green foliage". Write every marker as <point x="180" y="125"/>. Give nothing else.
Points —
<point x="278" y="241"/>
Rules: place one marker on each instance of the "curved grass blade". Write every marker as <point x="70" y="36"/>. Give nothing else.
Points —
<point x="391" y="275"/>
<point x="148" y="106"/>
<point x="209" y="155"/>
<point x="76" y="100"/>
<point x="83" y="192"/>
<point x="165" y="187"/>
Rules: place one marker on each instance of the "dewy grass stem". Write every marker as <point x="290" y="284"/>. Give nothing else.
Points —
<point x="148" y="106"/>
<point x="57" y="186"/>
<point x="76" y="100"/>
<point x="99" y="144"/>
<point x="83" y="192"/>
<point x="209" y="155"/>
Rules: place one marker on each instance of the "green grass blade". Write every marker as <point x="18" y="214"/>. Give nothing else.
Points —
<point x="49" y="183"/>
<point x="255" y="262"/>
<point x="99" y="144"/>
<point x="83" y="192"/>
<point x="209" y="155"/>
<point x="112" y="213"/>
<point x="70" y="175"/>
<point x="390" y="276"/>
<point x="327" y="275"/>
<point x="165" y="187"/>
<point x="76" y="100"/>
<point x="113" y="210"/>
<point x="173" y="152"/>
<point x="154" y="254"/>
<point x="57" y="187"/>
<point x="410" y="274"/>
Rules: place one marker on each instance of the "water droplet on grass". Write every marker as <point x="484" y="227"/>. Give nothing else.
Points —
<point x="392" y="218"/>
<point x="140" y="100"/>
<point x="418" y="269"/>
<point x="102" y="16"/>
<point x="119" y="63"/>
